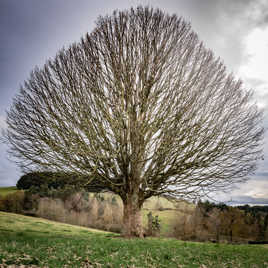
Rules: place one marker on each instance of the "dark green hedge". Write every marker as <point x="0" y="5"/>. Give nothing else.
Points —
<point x="58" y="180"/>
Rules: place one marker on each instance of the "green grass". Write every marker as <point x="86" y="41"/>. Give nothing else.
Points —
<point x="168" y="219"/>
<point x="7" y="190"/>
<point x="33" y="241"/>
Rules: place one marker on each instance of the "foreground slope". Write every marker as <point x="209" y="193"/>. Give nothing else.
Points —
<point x="33" y="241"/>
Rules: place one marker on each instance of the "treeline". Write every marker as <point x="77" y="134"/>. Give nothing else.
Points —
<point x="77" y="200"/>
<point x="42" y="182"/>
<point x="219" y="222"/>
<point x="254" y="209"/>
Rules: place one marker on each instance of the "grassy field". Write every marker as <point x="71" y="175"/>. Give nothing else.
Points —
<point x="33" y="241"/>
<point x="7" y="190"/>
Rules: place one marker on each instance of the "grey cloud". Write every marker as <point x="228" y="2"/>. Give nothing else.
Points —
<point x="264" y="20"/>
<point x="261" y="13"/>
<point x="262" y="174"/>
<point x="252" y="12"/>
<point x="9" y="177"/>
<point x="9" y="174"/>
<point x="33" y="31"/>
<point x="244" y="199"/>
<point x="231" y="22"/>
<point x="223" y="24"/>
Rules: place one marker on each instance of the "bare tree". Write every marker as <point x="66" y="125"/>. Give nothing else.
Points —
<point x="141" y="105"/>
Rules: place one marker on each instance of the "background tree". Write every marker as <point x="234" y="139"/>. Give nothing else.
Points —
<point x="58" y="180"/>
<point x="141" y="105"/>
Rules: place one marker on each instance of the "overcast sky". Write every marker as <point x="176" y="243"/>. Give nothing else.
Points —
<point x="32" y="31"/>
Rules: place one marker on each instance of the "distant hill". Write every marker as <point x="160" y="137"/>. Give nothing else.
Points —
<point x="7" y="190"/>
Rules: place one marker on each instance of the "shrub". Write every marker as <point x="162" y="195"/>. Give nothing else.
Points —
<point x="13" y="202"/>
<point x="78" y="202"/>
<point x="2" y="203"/>
<point x="82" y="209"/>
<point x="158" y="205"/>
<point x="153" y="225"/>
<point x="114" y="201"/>
<point x="30" y="201"/>
<point x="99" y="197"/>
<point x="61" y="193"/>
<point x="51" y="209"/>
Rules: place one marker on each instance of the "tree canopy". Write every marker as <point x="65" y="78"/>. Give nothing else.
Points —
<point x="143" y="106"/>
<point x="58" y="180"/>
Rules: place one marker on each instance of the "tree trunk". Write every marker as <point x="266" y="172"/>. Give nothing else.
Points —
<point x="132" y="219"/>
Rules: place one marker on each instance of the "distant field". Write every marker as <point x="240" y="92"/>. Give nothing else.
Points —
<point x="168" y="219"/>
<point x="34" y="241"/>
<point x="7" y="190"/>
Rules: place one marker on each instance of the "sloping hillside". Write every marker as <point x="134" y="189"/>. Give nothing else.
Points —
<point x="42" y="243"/>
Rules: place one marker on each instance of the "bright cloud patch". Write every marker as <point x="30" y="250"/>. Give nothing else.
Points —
<point x="254" y="71"/>
<point x="255" y="188"/>
<point x="257" y="51"/>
